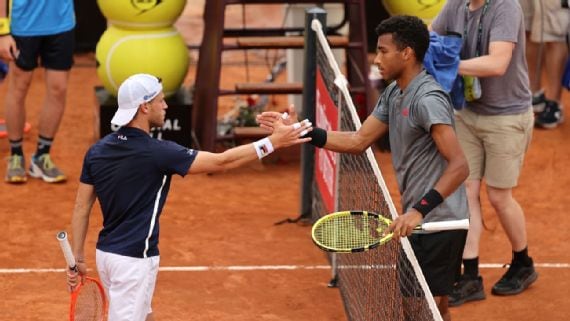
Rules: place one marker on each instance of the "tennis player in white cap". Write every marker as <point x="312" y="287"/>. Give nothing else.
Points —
<point x="129" y="172"/>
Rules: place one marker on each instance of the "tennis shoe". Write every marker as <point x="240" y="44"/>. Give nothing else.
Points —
<point x="550" y="117"/>
<point x="16" y="173"/>
<point x="538" y="102"/>
<point x="465" y="290"/>
<point x="44" y="168"/>
<point x="517" y="278"/>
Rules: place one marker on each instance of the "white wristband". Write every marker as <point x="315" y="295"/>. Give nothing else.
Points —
<point x="263" y="147"/>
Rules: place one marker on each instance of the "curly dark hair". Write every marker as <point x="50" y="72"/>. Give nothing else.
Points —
<point x="407" y="31"/>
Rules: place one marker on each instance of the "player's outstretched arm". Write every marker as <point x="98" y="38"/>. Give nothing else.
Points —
<point x="282" y="136"/>
<point x="339" y="141"/>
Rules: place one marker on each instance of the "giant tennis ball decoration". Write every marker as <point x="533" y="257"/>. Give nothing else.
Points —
<point x="424" y="9"/>
<point x="121" y="53"/>
<point x="141" y="14"/>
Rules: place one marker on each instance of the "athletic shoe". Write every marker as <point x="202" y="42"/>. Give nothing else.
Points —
<point x="467" y="289"/>
<point x="516" y="280"/>
<point x="550" y="117"/>
<point x="538" y="102"/>
<point x="16" y="173"/>
<point x="44" y="168"/>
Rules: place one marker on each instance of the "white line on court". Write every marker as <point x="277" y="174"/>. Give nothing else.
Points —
<point x="265" y="268"/>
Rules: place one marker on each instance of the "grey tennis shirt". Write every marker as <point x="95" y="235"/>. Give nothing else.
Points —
<point x="416" y="159"/>
<point x="508" y="94"/>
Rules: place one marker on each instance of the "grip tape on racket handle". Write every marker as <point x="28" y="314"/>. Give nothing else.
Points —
<point x="66" y="249"/>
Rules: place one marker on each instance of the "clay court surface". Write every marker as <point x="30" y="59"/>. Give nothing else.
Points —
<point x="222" y="256"/>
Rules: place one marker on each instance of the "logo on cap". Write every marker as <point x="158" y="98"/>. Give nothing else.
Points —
<point x="149" y="96"/>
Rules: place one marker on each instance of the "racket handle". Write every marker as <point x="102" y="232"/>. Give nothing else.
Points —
<point x="66" y="249"/>
<point x="446" y="225"/>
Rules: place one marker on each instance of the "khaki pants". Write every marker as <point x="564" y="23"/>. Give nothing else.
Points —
<point x="495" y="145"/>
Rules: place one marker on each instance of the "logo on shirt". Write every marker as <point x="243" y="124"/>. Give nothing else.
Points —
<point x="406" y="112"/>
<point x="122" y="137"/>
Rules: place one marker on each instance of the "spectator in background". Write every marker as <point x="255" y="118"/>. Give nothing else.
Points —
<point x="547" y="27"/>
<point x="494" y="130"/>
<point x="32" y="32"/>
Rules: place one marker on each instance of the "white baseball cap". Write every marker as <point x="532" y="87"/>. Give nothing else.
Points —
<point x="134" y="91"/>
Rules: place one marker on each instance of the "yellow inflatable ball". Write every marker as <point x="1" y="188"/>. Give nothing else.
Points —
<point x="121" y="53"/>
<point x="141" y="14"/>
<point x="426" y="10"/>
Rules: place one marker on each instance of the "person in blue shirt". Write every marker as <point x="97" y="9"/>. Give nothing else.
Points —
<point x="33" y="32"/>
<point x="129" y="172"/>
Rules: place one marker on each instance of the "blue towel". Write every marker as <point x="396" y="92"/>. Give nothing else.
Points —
<point x="442" y="61"/>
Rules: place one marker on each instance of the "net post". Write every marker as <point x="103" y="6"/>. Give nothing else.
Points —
<point x="308" y="108"/>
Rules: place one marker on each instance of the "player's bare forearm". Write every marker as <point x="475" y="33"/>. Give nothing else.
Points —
<point x="457" y="169"/>
<point x="283" y="136"/>
<point x="80" y="221"/>
<point x="207" y="162"/>
<point x="345" y="142"/>
<point x="356" y="142"/>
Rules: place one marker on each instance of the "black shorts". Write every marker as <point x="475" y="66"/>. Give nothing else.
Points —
<point x="439" y="255"/>
<point x="54" y="51"/>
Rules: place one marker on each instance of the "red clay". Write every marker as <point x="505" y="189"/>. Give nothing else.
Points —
<point x="227" y="220"/>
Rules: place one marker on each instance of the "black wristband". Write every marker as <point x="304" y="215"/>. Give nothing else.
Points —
<point x="428" y="202"/>
<point x="318" y="137"/>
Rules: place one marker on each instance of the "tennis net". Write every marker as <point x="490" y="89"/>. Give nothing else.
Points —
<point x="385" y="283"/>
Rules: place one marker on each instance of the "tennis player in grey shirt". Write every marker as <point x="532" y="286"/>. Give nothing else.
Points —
<point x="410" y="115"/>
<point x="426" y="154"/>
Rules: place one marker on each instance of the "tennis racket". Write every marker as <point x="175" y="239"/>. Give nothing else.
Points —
<point x="88" y="301"/>
<point x="358" y="231"/>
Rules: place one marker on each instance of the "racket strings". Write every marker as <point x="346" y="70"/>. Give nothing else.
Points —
<point x="346" y="232"/>
<point x="90" y="304"/>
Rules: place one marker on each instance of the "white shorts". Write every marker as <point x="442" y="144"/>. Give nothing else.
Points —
<point x="129" y="284"/>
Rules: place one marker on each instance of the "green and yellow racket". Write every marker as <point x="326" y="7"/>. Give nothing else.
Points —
<point x="358" y="231"/>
